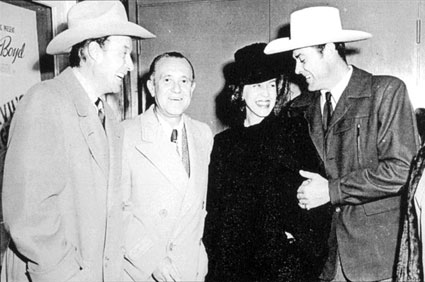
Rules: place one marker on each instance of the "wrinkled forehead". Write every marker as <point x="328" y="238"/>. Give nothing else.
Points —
<point x="172" y="66"/>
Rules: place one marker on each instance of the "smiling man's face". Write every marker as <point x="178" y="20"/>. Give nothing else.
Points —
<point x="172" y="86"/>
<point x="314" y="66"/>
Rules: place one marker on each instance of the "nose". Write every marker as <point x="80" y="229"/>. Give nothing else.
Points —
<point x="264" y="91"/>
<point x="297" y="67"/>
<point x="129" y="63"/>
<point x="176" y="87"/>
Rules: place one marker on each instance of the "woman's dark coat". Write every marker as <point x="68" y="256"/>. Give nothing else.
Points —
<point x="252" y="204"/>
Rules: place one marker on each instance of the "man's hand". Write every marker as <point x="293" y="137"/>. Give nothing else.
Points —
<point x="313" y="192"/>
<point x="166" y="271"/>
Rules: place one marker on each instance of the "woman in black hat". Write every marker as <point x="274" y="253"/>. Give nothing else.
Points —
<point x="255" y="230"/>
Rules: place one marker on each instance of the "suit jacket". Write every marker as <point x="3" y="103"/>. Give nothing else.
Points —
<point x="367" y="150"/>
<point x="61" y="194"/>
<point x="166" y="208"/>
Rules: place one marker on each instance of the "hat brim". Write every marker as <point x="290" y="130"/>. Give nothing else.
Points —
<point x="64" y="41"/>
<point x="286" y="44"/>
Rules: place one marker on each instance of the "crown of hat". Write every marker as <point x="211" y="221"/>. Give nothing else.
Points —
<point x="88" y="13"/>
<point x="314" y="22"/>
<point x="253" y="66"/>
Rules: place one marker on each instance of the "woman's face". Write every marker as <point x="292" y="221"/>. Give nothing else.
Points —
<point x="260" y="99"/>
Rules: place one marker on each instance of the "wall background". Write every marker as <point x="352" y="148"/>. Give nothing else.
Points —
<point x="209" y="32"/>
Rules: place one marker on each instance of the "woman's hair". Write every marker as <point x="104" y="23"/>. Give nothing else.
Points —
<point x="239" y="106"/>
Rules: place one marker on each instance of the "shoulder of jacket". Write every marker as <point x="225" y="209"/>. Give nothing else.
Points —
<point x="200" y="126"/>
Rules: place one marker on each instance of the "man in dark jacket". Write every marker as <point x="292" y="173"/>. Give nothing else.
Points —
<point x="363" y="127"/>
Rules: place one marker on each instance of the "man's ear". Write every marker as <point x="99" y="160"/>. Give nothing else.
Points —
<point x="94" y="51"/>
<point x="151" y="86"/>
<point x="192" y="88"/>
<point x="330" y="48"/>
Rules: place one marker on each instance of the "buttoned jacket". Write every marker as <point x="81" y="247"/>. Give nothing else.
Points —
<point x="61" y="194"/>
<point x="367" y="150"/>
<point x="166" y="207"/>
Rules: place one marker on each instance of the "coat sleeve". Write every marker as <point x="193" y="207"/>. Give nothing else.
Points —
<point x="397" y="142"/>
<point x="34" y="177"/>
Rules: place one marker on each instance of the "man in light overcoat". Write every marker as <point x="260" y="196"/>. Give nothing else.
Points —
<point x="165" y="174"/>
<point x="61" y="193"/>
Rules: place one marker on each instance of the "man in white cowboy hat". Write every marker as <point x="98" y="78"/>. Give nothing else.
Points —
<point x="61" y="196"/>
<point x="363" y="127"/>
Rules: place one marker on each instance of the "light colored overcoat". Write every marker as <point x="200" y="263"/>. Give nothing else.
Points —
<point x="166" y="207"/>
<point x="61" y="194"/>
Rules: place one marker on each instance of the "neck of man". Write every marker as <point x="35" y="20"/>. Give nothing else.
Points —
<point x="87" y="76"/>
<point x="338" y="70"/>
<point x="172" y="121"/>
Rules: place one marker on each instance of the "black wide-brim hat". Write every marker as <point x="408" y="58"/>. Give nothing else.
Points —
<point x="252" y="65"/>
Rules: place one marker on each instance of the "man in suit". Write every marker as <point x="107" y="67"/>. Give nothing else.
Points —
<point x="165" y="174"/>
<point x="61" y="194"/>
<point x="363" y="127"/>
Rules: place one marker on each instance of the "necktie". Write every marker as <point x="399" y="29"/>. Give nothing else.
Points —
<point x="185" y="152"/>
<point x="174" y="137"/>
<point x="185" y="149"/>
<point x="327" y="111"/>
<point x="100" y="111"/>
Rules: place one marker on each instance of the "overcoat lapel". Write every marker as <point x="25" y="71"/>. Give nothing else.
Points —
<point x="158" y="149"/>
<point x="113" y="134"/>
<point x="89" y="122"/>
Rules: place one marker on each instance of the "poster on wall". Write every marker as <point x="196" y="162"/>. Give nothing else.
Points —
<point x="19" y="60"/>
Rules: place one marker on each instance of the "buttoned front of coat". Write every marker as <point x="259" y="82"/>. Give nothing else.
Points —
<point x="367" y="150"/>
<point x="166" y="207"/>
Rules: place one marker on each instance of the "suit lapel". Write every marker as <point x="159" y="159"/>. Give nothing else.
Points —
<point x="158" y="149"/>
<point x="352" y="97"/>
<point x="89" y="122"/>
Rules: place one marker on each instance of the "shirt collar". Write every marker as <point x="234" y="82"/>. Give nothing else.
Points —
<point x="166" y="126"/>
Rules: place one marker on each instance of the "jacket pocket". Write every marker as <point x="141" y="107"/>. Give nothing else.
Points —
<point x="137" y="241"/>
<point x="382" y="206"/>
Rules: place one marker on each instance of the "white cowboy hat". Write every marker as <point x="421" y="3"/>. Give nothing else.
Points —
<point x="314" y="26"/>
<point x="94" y="19"/>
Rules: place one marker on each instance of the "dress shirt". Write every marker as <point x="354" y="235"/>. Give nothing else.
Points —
<point x="168" y="130"/>
<point x="336" y="91"/>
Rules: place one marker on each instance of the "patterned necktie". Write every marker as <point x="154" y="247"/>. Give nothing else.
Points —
<point x="185" y="149"/>
<point x="327" y="111"/>
<point x="100" y="111"/>
<point x="185" y="152"/>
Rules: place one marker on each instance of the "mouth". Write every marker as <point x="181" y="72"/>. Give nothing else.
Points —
<point x="308" y="78"/>
<point x="120" y="76"/>
<point x="176" y="99"/>
<point x="263" y="103"/>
